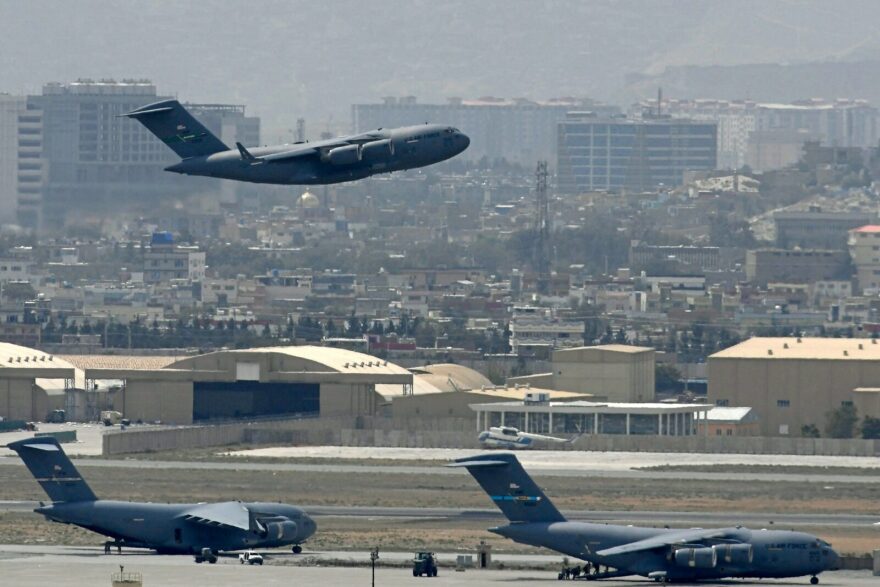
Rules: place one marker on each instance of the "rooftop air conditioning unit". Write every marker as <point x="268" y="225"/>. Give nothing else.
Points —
<point x="536" y="397"/>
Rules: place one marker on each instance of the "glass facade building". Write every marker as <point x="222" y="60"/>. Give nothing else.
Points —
<point x="613" y="154"/>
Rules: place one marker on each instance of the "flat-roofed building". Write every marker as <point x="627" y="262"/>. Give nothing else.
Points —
<point x="817" y="229"/>
<point x="794" y="382"/>
<point x="616" y="372"/>
<point x="796" y="266"/>
<point x="588" y="417"/>
<point x="864" y="250"/>
<point x="613" y="154"/>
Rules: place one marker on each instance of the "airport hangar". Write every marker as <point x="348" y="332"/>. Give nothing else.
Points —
<point x="227" y="384"/>
<point x="240" y="384"/>
<point x="793" y="382"/>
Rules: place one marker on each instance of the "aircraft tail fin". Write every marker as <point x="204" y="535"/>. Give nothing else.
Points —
<point x="178" y="129"/>
<point x="47" y="462"/>
<point x="511" y="488"/>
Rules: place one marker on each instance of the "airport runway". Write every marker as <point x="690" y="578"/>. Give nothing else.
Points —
<point x="643" y="518"/>
<point x="586" y="471"/>
<point x="563" y="459"/>
<point x="38" y="566"/>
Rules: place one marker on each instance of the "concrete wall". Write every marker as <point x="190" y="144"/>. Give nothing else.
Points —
<point x="448" y="433"/>
<point x="453" y="404"/>
<point x="170" y="402"/>
<point x="348" y="399"/>
<point x="812" y="388"/>
<point x="17" y="400"/>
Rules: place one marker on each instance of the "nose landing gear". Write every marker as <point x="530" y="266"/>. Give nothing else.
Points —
<point x="814" y="580"/>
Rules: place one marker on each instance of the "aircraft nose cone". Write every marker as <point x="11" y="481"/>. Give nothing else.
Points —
<point x="833" y="560"/>
<point x="464" y="141"/>
<point x="308" y="527"/>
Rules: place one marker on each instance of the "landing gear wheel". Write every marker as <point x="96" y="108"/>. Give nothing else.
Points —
<point x="814" y="580"/>
<point x="297" y="549"/>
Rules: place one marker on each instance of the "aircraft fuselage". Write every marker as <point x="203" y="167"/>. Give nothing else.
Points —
<point x="774" y="553"/>
<point x="408" y="148"/>
<point x="165" y="527"/>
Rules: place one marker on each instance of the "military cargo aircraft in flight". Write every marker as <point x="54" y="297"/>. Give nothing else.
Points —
<point x="661" y="554"/>
<point x="320" y="162"/>
<point x="203" y="530"/>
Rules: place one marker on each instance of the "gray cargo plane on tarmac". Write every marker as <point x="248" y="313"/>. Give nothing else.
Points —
<point x="320" y="162"/>
<point x="661" y="554"/>
<point x="203" y="530"/>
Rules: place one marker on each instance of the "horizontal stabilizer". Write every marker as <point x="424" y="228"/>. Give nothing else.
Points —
<point x="245" y="154"/>
<point x="469" y="464"/>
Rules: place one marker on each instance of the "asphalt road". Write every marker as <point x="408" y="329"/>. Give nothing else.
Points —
<point x="439" y="469"/>
<point x="644" y="518"/>
<point x="38" y="566"/>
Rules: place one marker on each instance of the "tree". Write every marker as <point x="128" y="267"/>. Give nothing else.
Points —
<point x="810" y="431"/>
<point x="841" y="423"/>
<point x="666" y="378"/>
<point x="871" y="427"/>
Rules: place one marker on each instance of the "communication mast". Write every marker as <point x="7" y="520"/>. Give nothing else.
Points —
<point x="541" y="257"/>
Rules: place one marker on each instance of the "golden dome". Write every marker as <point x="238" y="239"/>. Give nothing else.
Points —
<point x="309" y="200"/>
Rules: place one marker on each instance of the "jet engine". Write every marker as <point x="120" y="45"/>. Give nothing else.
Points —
<point x="281" y="529"/>
<point x="734" y="554"/>
<point x="347" y="155"/>
<point x="696" y="558"/>
<point x="378" y="150"/>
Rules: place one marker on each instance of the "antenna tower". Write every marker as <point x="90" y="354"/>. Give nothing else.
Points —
<point x="541" y="258"/>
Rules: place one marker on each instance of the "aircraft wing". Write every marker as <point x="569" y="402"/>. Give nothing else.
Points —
<point x="230" y="514"/>
<point x="666" y="539"/>
<point x="313" y="149"/>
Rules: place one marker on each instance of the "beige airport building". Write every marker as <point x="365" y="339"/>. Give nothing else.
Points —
<point x="223" y="385"/>
<point x="226" y="385"/>
<point x="615" y="372"/>
<point x="793" y="382"/>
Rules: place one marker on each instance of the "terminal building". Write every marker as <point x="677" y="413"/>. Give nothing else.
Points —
<point x="586" y="417"/>
<point x="795" y="382"/>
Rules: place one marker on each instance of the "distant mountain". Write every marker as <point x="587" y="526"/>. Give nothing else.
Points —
<point x="286" y="58"/>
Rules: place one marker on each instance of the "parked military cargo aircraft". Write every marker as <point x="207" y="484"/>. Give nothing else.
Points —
<point x="321" y="162"/>
<point x="657" y="553"/>
<point x="203" y="529"/>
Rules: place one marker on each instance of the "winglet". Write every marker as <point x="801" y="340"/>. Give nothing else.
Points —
<point x="245" y="154"/>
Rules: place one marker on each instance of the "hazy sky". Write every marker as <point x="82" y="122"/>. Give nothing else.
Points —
<point x="285" y="58"/>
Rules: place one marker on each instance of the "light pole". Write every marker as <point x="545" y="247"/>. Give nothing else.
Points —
<point x="374" y="555"/>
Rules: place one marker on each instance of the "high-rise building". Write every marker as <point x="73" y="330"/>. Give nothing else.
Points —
<point x="520" y="131"/>
<point x="769" y="135"/>
<point x="610" y="154"/>
<point x="11" y="107"/>
<point x="94" y="159"/>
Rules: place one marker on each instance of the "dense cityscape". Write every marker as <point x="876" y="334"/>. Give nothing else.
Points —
<point x="272" y="274"/>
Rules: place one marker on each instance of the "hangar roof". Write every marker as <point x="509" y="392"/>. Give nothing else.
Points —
<point x="731" y="414"/>
<point x="838" y="349"/>
<point x="120" y="361"/>
<point x="13" y="355"/>
<point x="48" y="369"/>
<point x="336" y="359"/>
<point x="454" y="377"/>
